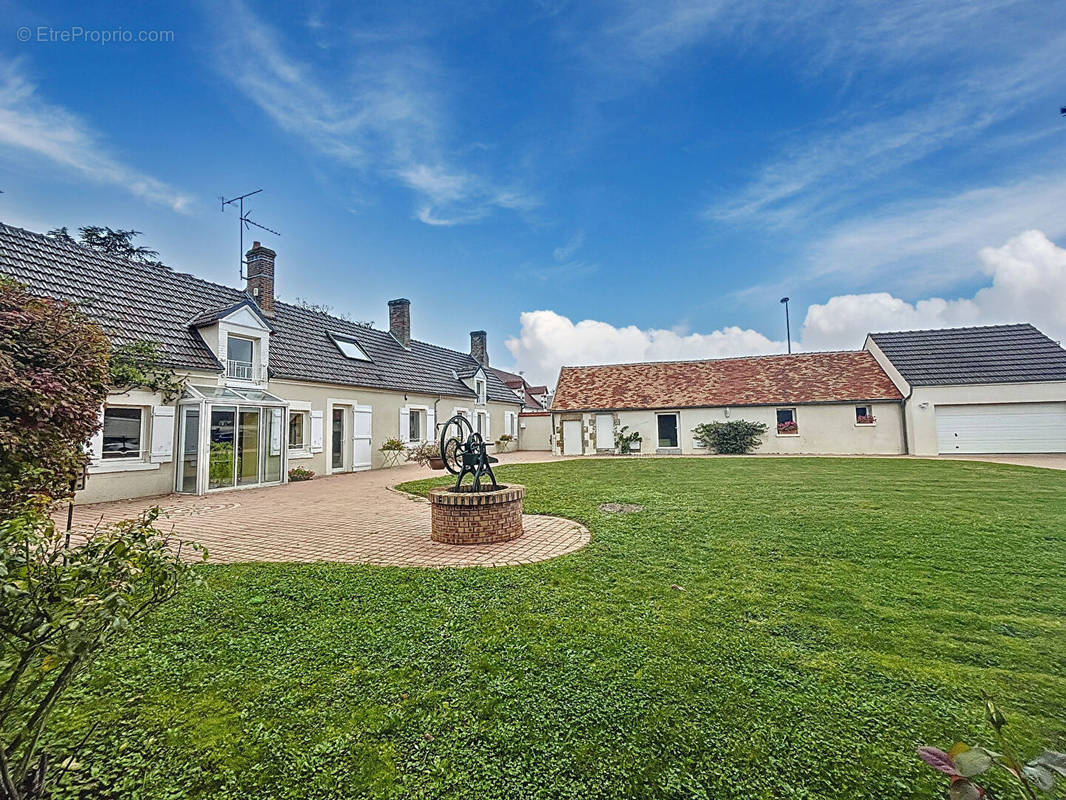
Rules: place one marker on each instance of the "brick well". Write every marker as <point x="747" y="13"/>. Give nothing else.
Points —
<point x="468" y="517"/>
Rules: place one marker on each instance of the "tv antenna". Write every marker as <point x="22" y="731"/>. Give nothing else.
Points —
<point x="245" y="222"/>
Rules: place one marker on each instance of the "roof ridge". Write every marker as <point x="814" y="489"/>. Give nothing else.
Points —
<point x="998" y="325"/>
<point x="710" y="360"/>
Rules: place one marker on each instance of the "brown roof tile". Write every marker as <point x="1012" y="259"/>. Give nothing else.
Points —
<point x="760" y="380"/>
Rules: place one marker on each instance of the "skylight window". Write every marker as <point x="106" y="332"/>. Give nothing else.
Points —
<point x="350" y="349"/>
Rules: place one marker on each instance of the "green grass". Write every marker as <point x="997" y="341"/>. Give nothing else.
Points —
<point x="835" y="613"/>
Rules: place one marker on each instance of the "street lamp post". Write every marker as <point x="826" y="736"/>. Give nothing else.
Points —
<point x="788" y="328"/>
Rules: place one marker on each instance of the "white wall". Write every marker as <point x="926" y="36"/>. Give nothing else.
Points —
<point x="823" y="429"/>
<point x="535" y="432"/>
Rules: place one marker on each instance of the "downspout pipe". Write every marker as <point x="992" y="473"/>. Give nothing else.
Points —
<point x="903" y="414"/>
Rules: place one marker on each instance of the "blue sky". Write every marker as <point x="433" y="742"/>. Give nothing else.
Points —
<point x="588" y="182"/>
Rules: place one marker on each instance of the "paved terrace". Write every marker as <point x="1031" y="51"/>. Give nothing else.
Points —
<point x="355" y="518"/>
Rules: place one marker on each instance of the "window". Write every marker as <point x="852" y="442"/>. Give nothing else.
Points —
<point x="481" y="423"/>
<point x="123" y="429"/>
<point x="864" y="415"/>
<point x="667" y="428"/>
<point x="415" y="433"/>
<point x="786" y="422"/>
<point x="239" y="353"/>
<point x="350" y="348"/>
<point x="296" y="430"/>
<point x="481" y="388"/>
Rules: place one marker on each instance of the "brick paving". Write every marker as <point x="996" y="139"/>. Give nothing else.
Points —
<point x="354" y="519"/>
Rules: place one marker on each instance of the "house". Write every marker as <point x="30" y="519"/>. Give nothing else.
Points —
<point x="840" y="402"/>
<point x="992" y="389"/>
<point x="270" y="385"/>
<point x="534" y="420"/>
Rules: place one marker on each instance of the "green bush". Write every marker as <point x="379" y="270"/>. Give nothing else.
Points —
<point x="735" y="437"/>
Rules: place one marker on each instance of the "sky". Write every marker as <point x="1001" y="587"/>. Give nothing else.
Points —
<point x="589" y="182"/>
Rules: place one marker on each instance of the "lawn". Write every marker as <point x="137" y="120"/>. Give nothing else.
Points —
<point x="764" y="628"/>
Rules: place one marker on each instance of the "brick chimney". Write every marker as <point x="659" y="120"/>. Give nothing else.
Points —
<point x="400" y="320"/>
<point x="260" y="280"/>
<point x="479" y="347"/>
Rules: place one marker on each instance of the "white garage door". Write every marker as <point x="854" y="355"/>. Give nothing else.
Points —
<point x="1002" y="428"/>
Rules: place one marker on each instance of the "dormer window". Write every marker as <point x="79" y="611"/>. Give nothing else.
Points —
<point x="350" y="348"/>
<point x="481" y="387"/>
<point x="240" y="358"/>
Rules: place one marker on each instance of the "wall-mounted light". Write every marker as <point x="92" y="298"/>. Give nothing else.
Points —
<point x="727" y="412"/>
<point x="923" y="405"/>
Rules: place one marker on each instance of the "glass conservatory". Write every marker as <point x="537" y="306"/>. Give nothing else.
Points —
<point x="230" y="437"/>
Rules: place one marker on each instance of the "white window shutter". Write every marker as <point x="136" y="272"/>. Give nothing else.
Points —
<point x="162" y="434"/>
<point x="96" y="443"/>
<point x="487" y="434"/>
<point x="405" y="424"/>
<point x="431" y="426"/>
<point x="316" y="431"/>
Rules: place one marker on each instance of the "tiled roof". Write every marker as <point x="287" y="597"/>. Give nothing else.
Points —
<point x="518" y="384"/>
<point x="135" y="301"/>
<point x="988" y="354"/>
<point x="850" y="376"/>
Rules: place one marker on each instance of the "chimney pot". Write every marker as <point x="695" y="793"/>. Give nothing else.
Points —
<point x="479" y="347"/>
<point x="400" y="320"/>
<point x="260" y="281"/>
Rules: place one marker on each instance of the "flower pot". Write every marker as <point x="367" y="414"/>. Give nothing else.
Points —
<point x="436" y="463"/>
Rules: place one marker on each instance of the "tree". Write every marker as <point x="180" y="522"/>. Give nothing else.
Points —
<point x="59" y="604"/>
<point x="53" y="381"/>
<point x="111" y="241"/>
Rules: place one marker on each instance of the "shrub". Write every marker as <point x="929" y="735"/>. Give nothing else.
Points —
<point x="423" y="453"/>
<point x="53" y="381"/>
<point x="623" y="441"/>
<point x="59" y="607"/>
<point x="963" y="763"/>
<point x="735" y="437"/>
<point x="300" y="474"/>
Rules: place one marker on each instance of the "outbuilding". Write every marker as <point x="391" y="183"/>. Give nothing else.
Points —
<point x="989" y="389"/>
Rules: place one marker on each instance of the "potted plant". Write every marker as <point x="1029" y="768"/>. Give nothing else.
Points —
<point x="788" y="427"/>
<point x="300" y="474"/>
<point x="427" y="454"/>
<point x="865" y="419"/>
<point x="391" y="449"/>
<point x="503" y="444"/>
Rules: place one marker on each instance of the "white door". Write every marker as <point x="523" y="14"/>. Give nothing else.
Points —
<point x="572" y="437"/>
<point x="361" y="447"/>
<point x="604" y="431"/>
<point x="1002" y="428"/>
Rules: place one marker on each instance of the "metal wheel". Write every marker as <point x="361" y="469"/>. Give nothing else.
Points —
<point x="453" y="443"/>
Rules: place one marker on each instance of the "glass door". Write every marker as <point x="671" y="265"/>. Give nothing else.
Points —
<point x="222" y="443"/>
<point x="248" y="447"/>
<point x="272" y="445"/>
<point x="338" y="439"/>
<point x="190" y="449"/>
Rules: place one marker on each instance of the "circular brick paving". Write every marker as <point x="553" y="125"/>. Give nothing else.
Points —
<point x="351" y="519"/>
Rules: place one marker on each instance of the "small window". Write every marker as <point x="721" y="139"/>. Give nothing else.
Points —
<point x="350" y="348"/>
<point x="481" y="388"/>
<point x="415" y="433"/>
<point x="239" y="358"/>
<point x="786" y="422"/>
<point x="122" y="432"/>
<point x="481" y="423"/>
<point x="296" y="430"/>
<point x="864" y="415"/>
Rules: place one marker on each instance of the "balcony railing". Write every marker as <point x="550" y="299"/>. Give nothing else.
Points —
<point x="243" y="370"/>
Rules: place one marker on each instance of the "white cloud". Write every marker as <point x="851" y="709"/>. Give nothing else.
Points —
<point x="29" y="125"/>
<point x="1028" y="284"/>
<point x="381" y="112"/>
<point x="549" y="340"/>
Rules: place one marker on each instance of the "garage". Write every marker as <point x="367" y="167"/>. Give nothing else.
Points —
<point x="1002" y="428"/>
